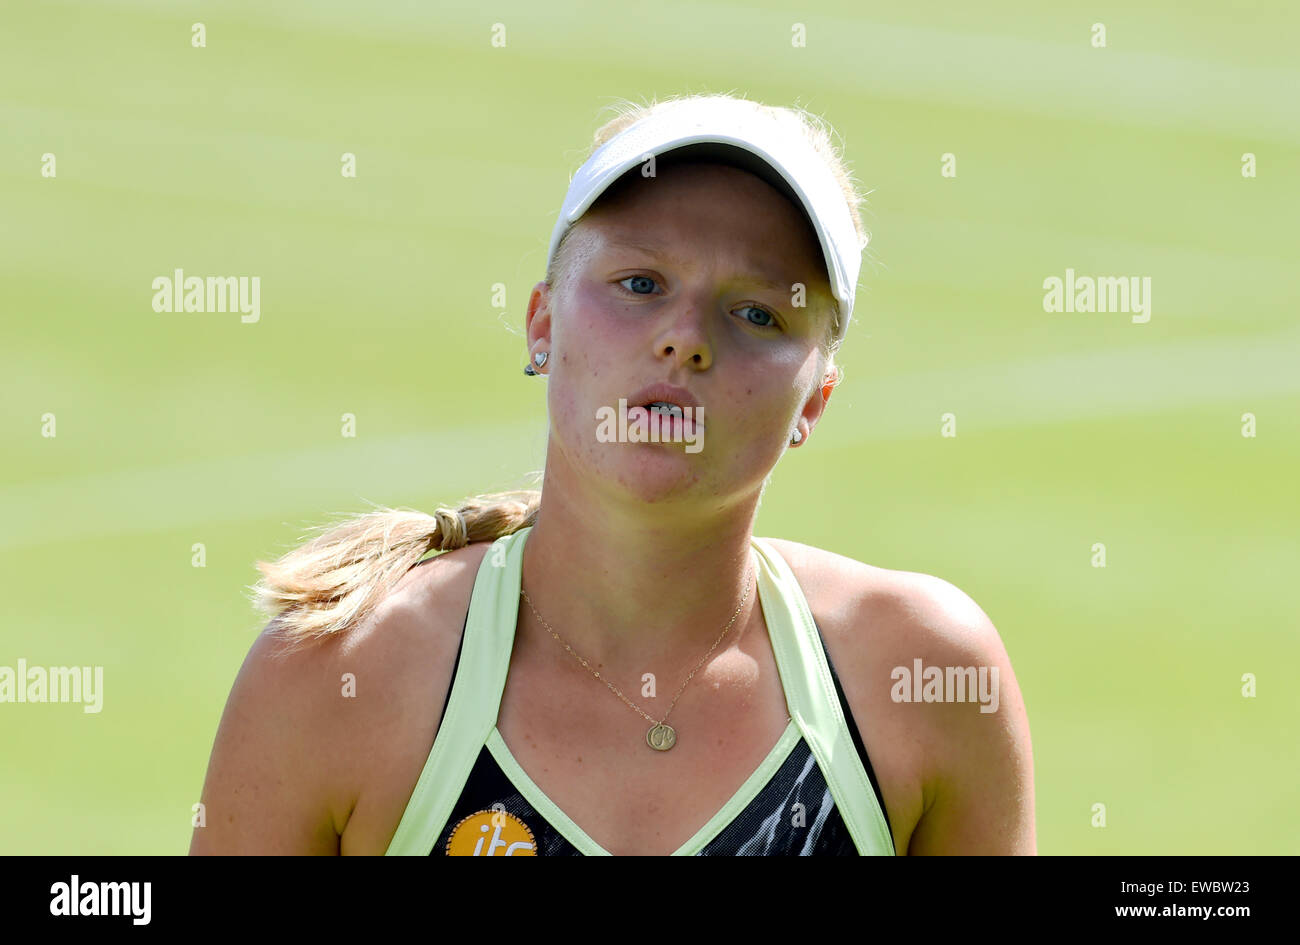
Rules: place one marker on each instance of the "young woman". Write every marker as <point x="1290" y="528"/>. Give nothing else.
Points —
<point x="615" y="664"/>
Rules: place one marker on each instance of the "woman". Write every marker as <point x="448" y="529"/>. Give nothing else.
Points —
<point x="624" y="668"/>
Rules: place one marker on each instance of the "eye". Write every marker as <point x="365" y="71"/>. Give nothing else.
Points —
<point x="644" y="282"/>
<point x="771" y="319"/>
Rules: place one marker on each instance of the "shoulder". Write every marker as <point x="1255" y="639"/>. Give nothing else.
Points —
<point x="410" y="629"/>
<point x="369" y="701"/>
<point x="425" y="608"/>
<point x="926" y="603"/>
<point x="895" y="611"/>
<point x="402" y="653"/>
<point x="926" y="661"/>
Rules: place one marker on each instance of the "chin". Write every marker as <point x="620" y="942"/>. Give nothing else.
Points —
<point x="656" y="472"/>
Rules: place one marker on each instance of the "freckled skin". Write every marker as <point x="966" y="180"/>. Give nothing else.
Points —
<point x="700" y="326"/>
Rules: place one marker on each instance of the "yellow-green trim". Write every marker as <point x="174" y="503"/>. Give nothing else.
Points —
<point x="475" y="700"/>
<point x="814" y="705"/>
<point x="558" y="819"/>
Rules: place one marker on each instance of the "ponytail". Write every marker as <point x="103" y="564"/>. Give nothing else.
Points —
<point x="337" y="580"/>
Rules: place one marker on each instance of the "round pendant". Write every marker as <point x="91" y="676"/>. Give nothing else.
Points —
<point x="661" y="737"/>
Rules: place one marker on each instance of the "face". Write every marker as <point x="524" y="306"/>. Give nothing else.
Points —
<point x="686" y="279"/>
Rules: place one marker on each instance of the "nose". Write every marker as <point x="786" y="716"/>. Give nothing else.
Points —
<point x="685" y="337"/>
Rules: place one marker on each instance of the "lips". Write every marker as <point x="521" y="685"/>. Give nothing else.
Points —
<point x="665" y="394"/>
<point x="668" y="421"/>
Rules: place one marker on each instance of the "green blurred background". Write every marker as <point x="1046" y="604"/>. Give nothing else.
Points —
<point x="174" y="429"/>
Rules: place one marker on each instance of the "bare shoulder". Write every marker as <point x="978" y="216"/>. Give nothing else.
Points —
<point x="415" y="627"/>
<point x="400" y="662"/>
<point x="846" y="584"/>
<point x="926" y="673"/>
<point x="378" y="668"/>
<point x="320" y="745"/>
<point x="887" y="609"/>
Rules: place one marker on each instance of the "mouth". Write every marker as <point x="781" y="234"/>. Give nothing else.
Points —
<point x="664" y="408"/>
<point x="669" y="411"/>
<point x="667" y="419"/>
<point x="666" y="397"/>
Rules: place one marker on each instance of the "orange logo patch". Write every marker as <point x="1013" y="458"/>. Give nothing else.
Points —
<point x="491" y="833"/>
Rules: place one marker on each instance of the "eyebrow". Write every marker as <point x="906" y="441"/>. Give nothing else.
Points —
<point x="653" y="250"/>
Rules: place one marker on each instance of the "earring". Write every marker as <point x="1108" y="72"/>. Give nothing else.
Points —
<point x="797" y="438"/>
<point x="540" y="358"/>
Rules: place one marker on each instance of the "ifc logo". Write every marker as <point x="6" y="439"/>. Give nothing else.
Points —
<point x="486" y="832"/>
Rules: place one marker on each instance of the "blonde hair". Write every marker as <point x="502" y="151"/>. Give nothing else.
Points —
<point x="338" y="579"/>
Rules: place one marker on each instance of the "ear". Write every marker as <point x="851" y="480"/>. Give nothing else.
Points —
<point x="815" y="405"/>
<point x="537" y="324"/>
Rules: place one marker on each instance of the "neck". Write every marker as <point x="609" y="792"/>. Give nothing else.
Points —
<point x="639" y="583"/>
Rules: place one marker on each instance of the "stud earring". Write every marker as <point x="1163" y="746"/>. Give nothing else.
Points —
<point x="540" y="359"/>
<point x="797" y="438"/>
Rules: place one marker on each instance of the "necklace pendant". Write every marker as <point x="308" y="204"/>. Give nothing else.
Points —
<point x="661" y="737"/>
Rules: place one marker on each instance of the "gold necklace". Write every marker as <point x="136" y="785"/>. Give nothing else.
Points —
<point x="661" y="736"/>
